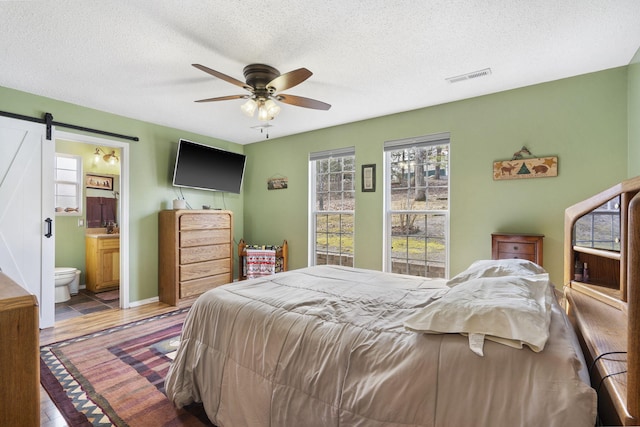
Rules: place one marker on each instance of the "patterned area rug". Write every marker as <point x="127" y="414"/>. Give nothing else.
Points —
<point x="116" y="377"/>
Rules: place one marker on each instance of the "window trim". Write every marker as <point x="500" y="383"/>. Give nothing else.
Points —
<point x="313" y="157"/>
<point x="393" y="145"/>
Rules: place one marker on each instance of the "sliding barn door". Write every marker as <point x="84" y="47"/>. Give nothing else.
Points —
<point x="27" y="211"/>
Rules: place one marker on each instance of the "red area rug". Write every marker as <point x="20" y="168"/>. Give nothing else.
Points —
<point x="116" y="377"/>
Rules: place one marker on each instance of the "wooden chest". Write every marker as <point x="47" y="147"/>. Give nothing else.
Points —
<point x="195" y="252"/>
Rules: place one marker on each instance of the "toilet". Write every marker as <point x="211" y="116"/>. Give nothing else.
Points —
<point x="67" y="280"/>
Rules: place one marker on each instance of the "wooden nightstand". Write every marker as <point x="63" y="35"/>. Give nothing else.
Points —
<point x="512" y="245"/>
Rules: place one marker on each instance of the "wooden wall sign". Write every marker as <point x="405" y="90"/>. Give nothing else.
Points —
<point x="280" y="183"/>
<point x="540" y="167"/>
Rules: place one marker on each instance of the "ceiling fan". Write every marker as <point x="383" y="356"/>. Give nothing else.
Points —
<point x="264" y="84"/>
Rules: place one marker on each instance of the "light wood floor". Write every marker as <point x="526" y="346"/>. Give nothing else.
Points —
<point x="65" y="329"/>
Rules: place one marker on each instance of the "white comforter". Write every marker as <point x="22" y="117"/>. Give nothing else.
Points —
<point x="326" y="346"/>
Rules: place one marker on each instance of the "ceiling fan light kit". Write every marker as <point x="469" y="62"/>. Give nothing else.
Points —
<point x="267" y="110"/>
<point x="263" y="81"/>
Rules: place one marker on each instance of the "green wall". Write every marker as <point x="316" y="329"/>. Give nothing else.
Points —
<point x="634" y="115"/>
<point x="151" y="159"/>
<point x="582" y="120"/>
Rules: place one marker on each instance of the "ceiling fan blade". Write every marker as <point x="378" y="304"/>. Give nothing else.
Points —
<point x="300" y="101"/>
<point x="289" y="80"/>
<point x="223" y="98"/>
<point x="224" y="77"/>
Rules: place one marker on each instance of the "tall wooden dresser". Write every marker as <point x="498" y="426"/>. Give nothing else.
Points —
<point x="195" y="252"/>
<point x="19" y="356"/>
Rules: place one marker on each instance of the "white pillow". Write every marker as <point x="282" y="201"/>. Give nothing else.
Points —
<point x="497" y="268"/>
<point x="509" y="310"/>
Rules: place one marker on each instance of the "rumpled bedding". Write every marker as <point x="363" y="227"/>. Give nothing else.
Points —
<point x="506" y="301"/>
<point x="327" y="346"/>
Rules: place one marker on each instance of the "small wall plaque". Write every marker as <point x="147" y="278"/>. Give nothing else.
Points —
<point x="277" y="183"/>
<point x="519" y="167"/>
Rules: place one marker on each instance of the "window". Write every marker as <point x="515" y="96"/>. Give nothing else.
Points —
<point x="68" y="184"/>
<point x="600" y="228"/>
<point x="417" y="206"/>
<point x="332" y="207"/>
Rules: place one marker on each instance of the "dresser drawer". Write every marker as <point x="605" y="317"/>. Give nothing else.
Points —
<point x="204" y="237"/>
<point x="203" y="269"/>
<point x="204" y="221"/>
<point x="198" y="286"/>
<point x="204" y="253"/>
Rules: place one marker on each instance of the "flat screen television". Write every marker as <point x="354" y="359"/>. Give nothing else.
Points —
<point x="208" y="168"/>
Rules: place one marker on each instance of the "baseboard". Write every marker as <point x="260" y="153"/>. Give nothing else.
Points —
<point x="143" y="302"/>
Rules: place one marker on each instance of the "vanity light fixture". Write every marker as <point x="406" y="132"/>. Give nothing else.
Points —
<point x="110" y="158"/>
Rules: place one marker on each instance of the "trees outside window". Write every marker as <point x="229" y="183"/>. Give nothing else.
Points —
<point x="417" y="206"/>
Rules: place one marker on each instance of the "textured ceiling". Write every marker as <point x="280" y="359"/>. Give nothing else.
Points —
<point x="369" y="58"/>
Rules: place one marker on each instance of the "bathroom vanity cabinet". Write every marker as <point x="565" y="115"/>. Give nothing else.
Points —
<point x="102" y="262"/>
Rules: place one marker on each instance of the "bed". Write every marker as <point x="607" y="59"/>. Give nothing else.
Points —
<point x="337" y="346"/>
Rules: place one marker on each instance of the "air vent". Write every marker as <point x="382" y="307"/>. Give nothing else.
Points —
<point x="469" y="76"/>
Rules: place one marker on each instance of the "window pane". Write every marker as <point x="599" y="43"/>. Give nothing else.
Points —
<point x="66" y="175"/>
<point x="66" y="189"/>
<point x="68" y="185"/>
<point x="600" y="228"/>
<point x="66" y="163"/>
<point x="67" y="202"/>
<point x="418" y="203"/>
<point x="334" y="206"/>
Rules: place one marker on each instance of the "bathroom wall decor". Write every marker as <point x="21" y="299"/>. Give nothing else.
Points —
<point x="99" y="182"/>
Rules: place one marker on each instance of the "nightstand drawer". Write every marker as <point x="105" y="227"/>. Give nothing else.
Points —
<point x="516" y="248"/>
<point x="516" y="255"/>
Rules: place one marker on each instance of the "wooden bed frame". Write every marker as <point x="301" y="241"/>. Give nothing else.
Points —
<point x="606" y="310"/>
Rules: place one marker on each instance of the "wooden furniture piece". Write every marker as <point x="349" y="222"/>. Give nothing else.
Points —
<point x="102" y="261"/>
<point x="195" y="252"/>
<point x="512" y="245"/>
<point x="282" y="258"/>
<point x="606" y="310"/>
<point x="19" y="356"/>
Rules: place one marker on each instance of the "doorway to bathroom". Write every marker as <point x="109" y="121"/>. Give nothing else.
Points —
<point x="91" y="233"/>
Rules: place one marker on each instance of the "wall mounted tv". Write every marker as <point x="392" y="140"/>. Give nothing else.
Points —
<point x="208" y="168"/>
